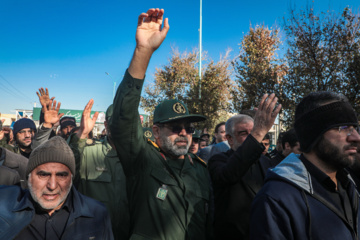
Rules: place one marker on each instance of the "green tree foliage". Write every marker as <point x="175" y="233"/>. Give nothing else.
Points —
<point x="179" y="79"/>
<point x="258" y="70"/>
<point x="323" y="53"/>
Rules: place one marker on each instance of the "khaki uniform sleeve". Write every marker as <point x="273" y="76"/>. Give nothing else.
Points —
<point x="77" y="145"/>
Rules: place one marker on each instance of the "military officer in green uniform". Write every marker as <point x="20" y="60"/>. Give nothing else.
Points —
<point x="168" y="190"/>
<point x="99" y="173"/>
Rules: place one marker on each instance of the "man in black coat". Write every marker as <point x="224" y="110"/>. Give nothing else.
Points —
<point x="238" y="174"/>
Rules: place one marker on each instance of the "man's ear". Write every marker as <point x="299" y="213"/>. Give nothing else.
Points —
<point x="229" y="138"/>
<point x="156" y="131"/>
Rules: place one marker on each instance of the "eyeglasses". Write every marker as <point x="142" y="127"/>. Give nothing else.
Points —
<point x="178" y="128"/>
<point x="348" y="129"/>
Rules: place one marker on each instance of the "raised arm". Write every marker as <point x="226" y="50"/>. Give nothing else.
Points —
<point x="77" y="142"/>
<point x="45" y="100"/>
<point x="125" y="127"/>
<point x="51" y="117"/>
<point x="231" y="169"/>
<point x="87" y="122"/>
<point x="265" y="116"/>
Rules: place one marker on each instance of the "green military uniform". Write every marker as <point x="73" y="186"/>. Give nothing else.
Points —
<point x="168" y="198"/>
<point x="3" y="143"/>
<point x="99" y="175"/>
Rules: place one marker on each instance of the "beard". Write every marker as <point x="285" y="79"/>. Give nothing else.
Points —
<point x="236" y="144"/>
<point x="23" y="144"/>
<point x="47" y="205"/>
<point x="332" y="155"/>
<point x="171" y="147"/>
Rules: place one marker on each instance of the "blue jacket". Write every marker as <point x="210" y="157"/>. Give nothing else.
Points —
<point x="290" y="206"/>
<point x="88" y="218"/>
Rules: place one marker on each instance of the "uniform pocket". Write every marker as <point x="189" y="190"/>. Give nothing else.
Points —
<point x="163" y="177"/>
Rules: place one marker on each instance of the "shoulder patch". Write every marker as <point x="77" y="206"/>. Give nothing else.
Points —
<point x="153" y="144"/>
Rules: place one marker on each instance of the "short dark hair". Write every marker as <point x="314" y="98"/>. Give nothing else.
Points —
<point x="317" y="99"/>
<point x="218" y="126"/>
<point x="267" y="136"/>
<point x="289" y="137"/>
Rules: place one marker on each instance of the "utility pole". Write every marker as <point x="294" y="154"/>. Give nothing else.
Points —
<point x="200" y="48"/>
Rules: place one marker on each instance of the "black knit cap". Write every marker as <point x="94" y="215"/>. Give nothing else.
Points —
<point x="22" y="124"/>
<point x="54" y="150"/>
<point x="312" y="125"/>
<point x="67" y="121"/>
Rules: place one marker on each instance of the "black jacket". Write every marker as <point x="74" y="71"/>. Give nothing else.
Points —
<point x="88" y="218"/>
<point x="237" y="177"/>
<point x="292" y="205"/>
<point x="13" y="163"/>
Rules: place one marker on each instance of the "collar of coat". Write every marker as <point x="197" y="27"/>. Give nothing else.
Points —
<point x="80" y="209"/>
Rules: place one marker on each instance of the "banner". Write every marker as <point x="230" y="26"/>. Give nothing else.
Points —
<point x="71" y="113"/>
<point x="78" y="113"/>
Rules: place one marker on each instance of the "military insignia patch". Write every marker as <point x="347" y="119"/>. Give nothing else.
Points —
<point x="148" y="134"/>
<point x="162" y="192"/>
<point x="179" y="108"/>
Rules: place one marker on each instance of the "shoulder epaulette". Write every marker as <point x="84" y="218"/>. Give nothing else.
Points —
<point x="196" y="157"/>
<point x="153" y="144"/>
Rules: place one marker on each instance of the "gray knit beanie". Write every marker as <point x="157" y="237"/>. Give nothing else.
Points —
<point x="54" y="150"/>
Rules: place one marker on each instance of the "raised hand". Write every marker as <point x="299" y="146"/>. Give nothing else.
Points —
<point x="87" y="123"/>
<point x="265" y="116"/>
<point x="149" y="34"/>
<point x="51" y="114"/>
<point x="7" y="130"/>
<point x="44" y="97"/>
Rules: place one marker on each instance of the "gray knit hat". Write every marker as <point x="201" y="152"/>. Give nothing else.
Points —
<point x="54" y="150"/>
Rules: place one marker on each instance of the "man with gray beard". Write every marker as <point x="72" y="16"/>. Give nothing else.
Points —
<point x="51" y="208"/>
<point x="168" y="190"/>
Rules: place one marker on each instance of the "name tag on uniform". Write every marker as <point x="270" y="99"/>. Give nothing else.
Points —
<point x="162" y="192"/>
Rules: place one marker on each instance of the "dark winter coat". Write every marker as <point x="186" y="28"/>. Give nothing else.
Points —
<point x="291" y="206"/>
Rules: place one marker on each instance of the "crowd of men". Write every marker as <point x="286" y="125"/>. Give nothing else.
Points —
<point x="168" y="181"/>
